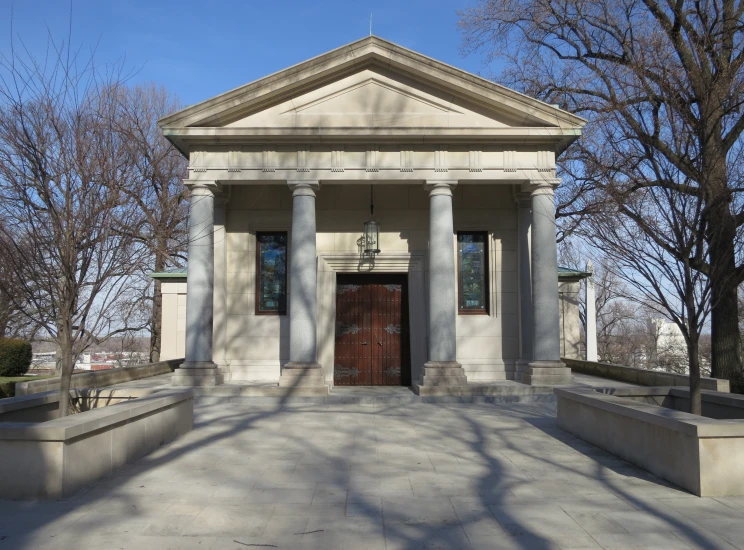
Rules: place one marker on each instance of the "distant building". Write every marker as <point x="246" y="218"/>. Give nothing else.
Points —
<point x="667" y="349"/>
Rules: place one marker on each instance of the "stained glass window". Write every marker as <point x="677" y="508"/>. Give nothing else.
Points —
<point x="472" y="272"/>
<point x="271" y="291"/>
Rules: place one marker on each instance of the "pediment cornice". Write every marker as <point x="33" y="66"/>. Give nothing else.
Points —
<point x="206" y="121"/>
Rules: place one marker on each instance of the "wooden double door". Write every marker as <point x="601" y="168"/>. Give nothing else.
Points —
<point x="372" y="344"/>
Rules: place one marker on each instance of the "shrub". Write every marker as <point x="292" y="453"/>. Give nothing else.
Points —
<point x="7" y="389"/>
<point x="15" y="357"/>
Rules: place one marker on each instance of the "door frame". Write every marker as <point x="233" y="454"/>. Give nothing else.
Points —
<point x="331" y="264"/>
<point x="405" y="339"/>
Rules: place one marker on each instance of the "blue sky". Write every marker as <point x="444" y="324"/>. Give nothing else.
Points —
<point x="200" y="49"/>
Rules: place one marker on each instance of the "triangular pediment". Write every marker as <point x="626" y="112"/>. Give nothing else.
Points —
<point x="373" y="98"/>
<point x="370" y="96"/>
<point x="370" y="84"/>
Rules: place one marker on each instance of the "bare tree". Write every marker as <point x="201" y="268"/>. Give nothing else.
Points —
<point x="621" y="331"/>
<point x="63" y="172"/>
<point x="662" y="84"/>
<point x="619" y="324"/>
<point x="157" y="190"/>
<point x="14" y="323"/>
<point x="654" y="278"/>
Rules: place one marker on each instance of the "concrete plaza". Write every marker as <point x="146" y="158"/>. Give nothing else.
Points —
<point x="378" y="476"/>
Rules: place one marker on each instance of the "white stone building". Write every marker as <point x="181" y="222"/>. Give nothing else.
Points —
<point x="461" y="283"/>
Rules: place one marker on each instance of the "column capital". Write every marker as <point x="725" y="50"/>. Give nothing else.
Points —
<point x="199" y="188"/>
<point x="440" y="187"/>
<point x="544" y="186"/>
<point x="303" y="188"/>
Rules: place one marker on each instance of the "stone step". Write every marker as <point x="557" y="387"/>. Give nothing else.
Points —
<point x="547" y="379"/>
<point x="537" y="375"/>
<point x="443" y="371"/>
<point x="485" y="393"/>
<point x="230" y="392"/>
<point x="486" y="376"/>
<point x="257" y="372"/>
<point x="301" y="377"/>
<point x="184" y="378"/>
<point x="429" y="380"/>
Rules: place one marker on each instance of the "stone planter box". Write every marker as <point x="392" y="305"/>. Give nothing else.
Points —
<point x="702" y="454"/>
<point x="44" y="457"/>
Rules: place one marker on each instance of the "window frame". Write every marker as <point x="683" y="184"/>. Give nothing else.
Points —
<point x="487" y="274"/>
<point x="258" y="311"/>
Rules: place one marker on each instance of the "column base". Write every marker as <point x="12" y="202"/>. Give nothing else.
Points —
<point x="519" y="370"/>
<point x="547" y="373"/>
<point x="197" y="373"/>
<point x="295" y="374"/>
<point x="443" y="373"/>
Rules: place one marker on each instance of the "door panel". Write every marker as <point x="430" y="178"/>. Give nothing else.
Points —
<point x="371" y="331"/>
<point x="353" y="361"/>
<point x="387" y="327"/>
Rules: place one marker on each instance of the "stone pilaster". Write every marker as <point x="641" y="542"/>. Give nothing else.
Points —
<point x="303" y="368"/>
<point x="199" y="369"/>
<point x="591" y="315"/>
<point x="545" y="367"/>
<point x="524" y="222"/>
<point x="442" y="368"/>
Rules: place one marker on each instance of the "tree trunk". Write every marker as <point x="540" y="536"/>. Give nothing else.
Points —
<point x="694" y="360"/>
<point x="58" y="357"/>
<point x="156" y="335"/>
<point x="725" y="353"/>
<point x="726" y="346"/>
<point x="68" y="364"/>
<point x="4" y="319"/>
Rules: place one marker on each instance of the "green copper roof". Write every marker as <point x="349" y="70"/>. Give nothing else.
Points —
<point x="567" y="273"/>
<point x="175" y="273"/>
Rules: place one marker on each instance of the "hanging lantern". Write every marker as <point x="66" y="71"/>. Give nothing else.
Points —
<point x="371" y="228"/>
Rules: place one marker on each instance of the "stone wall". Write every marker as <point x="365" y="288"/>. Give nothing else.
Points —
<point x="568" y="294"/>
<point x="41" y="407"/>
<point x="173" y="327"/>
<point x="701" y="455"/>
<point x="99" y="379"/>
<point x="641" y="377"/>
<point x="256" y="346"/>
<point x="54" y="459"/>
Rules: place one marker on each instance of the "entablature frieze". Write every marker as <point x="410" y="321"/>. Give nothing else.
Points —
<point x="365" y="177"/>
<point x="369" y="163"/>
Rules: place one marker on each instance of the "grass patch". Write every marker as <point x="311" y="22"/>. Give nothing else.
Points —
<point x="7" y="383"/>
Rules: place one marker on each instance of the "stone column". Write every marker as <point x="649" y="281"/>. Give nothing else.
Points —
<point x="591" y="315"/>
<point x="546" y="367"/>
<point x="198" y="369"/>
<point x="524" y="221"/>
<point x="442" y="368"/>
<point x="303" y="367"/>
